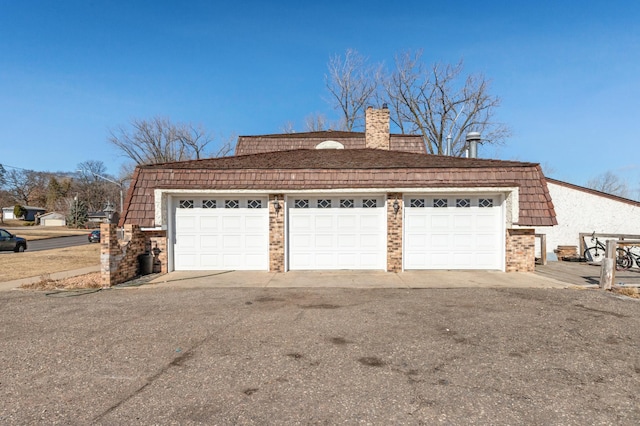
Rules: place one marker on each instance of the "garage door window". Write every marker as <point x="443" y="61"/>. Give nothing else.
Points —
<point x="417" y="202"/>
<point x="440" y="202"/>
<point x="485" y="202"/>
<point x="347" y="204"/>
<point x="186" y="204"/>
<point x="301" y="204"/>
<point x="231" y="204"/>
<point x="208" y="204"/>
<point x="370" y="203"/>
<point x="254" y="204"/>
<point x="324" y="204"/>
<point x="463" y="202"/>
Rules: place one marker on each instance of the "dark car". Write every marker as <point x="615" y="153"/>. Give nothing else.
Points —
<point x="94" y="237"/>
<point x="10" y="242"/>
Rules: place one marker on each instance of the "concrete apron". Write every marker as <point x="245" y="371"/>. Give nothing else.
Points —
<point x="354" y="279"/>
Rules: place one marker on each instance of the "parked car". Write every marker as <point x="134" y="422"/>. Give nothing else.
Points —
<point x="94" y="236"/>
<point x="8" y="242"/>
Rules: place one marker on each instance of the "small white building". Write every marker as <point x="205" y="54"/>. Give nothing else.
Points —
<point x="7" y="213"/>
<point x="53" y="219"/>
<point x="584" y="210"/>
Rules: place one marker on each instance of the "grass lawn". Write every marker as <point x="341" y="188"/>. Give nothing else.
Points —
<point x="14" y="266"/>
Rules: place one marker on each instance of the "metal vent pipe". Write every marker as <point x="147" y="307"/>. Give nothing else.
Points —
<point x="473" y="139"/>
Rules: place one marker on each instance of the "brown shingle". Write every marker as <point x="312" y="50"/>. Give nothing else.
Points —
<point x="351" y="140"/>
<point x="334" y="169"/>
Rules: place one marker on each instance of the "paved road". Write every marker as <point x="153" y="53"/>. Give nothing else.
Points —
<point x="320" y="356"/>
<point x="58" y="242"/>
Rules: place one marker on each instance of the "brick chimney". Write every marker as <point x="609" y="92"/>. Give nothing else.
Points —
<point x="376" y="133"/>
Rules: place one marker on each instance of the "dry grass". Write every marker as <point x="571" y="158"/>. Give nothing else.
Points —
<point x="82" y="281"/>
<point x="15" y="266"/>
<point x="628" y="291"/>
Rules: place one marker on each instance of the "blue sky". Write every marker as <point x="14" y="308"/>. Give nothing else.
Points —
<point x="568" y="72"/>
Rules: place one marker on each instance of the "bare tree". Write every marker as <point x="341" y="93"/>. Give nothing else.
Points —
<point x="27" y="187"/>
<point x="352" y="82"/>
<point x="95" y="187"/>
<point x="437" y="101"/>
<point x="609" y="183"/>
<point x="158" y="140"/>
<point x="288" y="127"/>
<point x="433" y="101"/>
<point x="226" y="147"/>
<point x="317" y="123"/>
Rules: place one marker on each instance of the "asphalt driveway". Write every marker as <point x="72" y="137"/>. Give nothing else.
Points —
<point x="320" y="356"/>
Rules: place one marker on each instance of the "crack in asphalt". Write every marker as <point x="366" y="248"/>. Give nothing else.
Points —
<point x="175" y="362"/>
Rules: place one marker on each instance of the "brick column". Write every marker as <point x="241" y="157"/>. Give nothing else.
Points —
<point x="276" y="233"/>
<point x="394" y="233"/>
<point x="109" y="250"/>
<point x="520" y="250"/>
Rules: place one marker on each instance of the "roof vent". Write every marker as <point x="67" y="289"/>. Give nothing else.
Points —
<point x="473" y="139"/>
<point x="330" y="145"/>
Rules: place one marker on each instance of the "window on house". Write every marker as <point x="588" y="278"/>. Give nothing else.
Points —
<point x="231" y="204"/>
<point x="347" y="204"/>
<point x="186" y="204"/>
<point x="254" y="204"/>
<point x="301" y="204"/>
<point x="416" y="202"/>
<point x="324" y="204"/>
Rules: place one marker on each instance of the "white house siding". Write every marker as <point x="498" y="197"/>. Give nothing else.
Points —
<point x="582" y="210"/>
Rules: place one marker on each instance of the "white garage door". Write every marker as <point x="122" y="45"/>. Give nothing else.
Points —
<point x="343" y="232"/>
<point x="223" y="233"/>
<point x="453" y="232"/>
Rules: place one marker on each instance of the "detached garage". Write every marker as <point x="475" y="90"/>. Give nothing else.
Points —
<point x="340" y="200"/>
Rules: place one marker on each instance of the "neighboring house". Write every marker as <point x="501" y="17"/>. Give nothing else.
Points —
<point x="52" y="219"/>
<point x="380" y="203"/>
<point x="32" y="213"/>
<point x="584" y="210"/>
<point x="96" y="217"/>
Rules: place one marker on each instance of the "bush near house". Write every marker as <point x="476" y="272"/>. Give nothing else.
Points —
<point x="19" y="211"/>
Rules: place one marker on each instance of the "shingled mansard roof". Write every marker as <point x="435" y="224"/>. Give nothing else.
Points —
<point x="334" y="169"/>
<point x="309" y="140"/>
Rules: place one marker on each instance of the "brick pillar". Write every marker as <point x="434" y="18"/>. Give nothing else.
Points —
<point x="520" y="250"/>
<point x="394" y="233"/>
<point x="376" y="132"/>
<point x="109" y="250"/>
<point x="276" y="233"/>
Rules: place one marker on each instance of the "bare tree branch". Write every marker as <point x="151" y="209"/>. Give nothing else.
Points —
<point x="610" y="183"/>
<point x="158" y="140"/>
<point x="435" y="103"/>
<point x="352" y="83"/>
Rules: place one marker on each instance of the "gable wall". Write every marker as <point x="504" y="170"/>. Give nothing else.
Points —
<point x="580" y="211"/>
